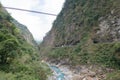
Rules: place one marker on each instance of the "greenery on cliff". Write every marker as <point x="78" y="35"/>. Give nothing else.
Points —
<point x="19" y="60"/>
<point x="86" y="32"/>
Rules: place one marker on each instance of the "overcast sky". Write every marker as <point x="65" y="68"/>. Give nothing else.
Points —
<point x="38" y="24"/>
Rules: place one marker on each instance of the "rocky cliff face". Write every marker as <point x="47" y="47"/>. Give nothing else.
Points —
<point x="79" y="18"/>
<point x="85" y="31"/>
<point x="108" y="28"/>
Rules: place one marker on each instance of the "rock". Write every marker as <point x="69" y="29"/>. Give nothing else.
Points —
<point x="102" y="76"/>
<point x="91" y="74"/>
<point x="84" y="78"/>
<point x="89" y="78"/>
<point x="84" y="71"/>
<point x="77" y="69"/>
<point x="109" y="70"/>
<point x="51" y="78"/>
<point x="77" y="77"/>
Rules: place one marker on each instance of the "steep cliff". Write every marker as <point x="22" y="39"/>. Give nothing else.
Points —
<point x="17" y="51"/>
<point x="85" y="32"/>
<point x="25" y="33"/>
<point x="78" y="18"/>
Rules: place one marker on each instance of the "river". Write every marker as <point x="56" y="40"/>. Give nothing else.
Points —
<point x="62" y="72"/>
<point x="59" y="74"/>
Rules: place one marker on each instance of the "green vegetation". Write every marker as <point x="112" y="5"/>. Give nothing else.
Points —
<point x="79" y="17"/>
<point x="74" y="30"/>
<point x="18" y="59"/>
<point x="106" y="54"/>
<point x="113" y="76"/>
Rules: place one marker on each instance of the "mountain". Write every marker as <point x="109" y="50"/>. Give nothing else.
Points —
<point x="25" y="33"/>
<point x="85" y="32"/>
<point x="80" y="17"/>
<point x="18" y="51"/>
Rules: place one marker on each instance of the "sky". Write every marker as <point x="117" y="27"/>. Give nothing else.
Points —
<point x="38" y="24"/>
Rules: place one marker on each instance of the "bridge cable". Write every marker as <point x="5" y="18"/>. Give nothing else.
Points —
<point x="30" y="11"/>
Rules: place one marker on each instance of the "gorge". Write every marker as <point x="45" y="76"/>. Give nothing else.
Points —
<point x="83" y="44"/>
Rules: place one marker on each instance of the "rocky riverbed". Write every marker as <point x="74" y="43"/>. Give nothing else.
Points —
<point x="60" y="72"/>
<point x="81" y="72"/>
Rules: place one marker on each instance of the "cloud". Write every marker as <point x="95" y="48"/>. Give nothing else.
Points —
<point x="38" y="24"/>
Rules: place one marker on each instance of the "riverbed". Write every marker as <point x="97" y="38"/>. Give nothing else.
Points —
<point x="60" y="73"/>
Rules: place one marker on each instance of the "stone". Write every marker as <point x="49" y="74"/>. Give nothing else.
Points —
<point x="89" y="78"/>
<point x="84" y="71"/>
<point x="77" y="77"/>
<point x="91" y="74"/>
<point x="84" y="78"/>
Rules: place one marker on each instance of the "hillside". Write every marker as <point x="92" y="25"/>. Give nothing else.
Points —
<point x="86" y="32"/>
<point x="18" y="53"/>
<point x="25" y="33"/>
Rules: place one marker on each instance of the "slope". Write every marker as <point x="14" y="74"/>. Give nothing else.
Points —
<point x="17" y="52"/>
<point x="85" y="32"/>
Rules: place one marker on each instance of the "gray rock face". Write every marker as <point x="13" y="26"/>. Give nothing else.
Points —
<point x="78" y="19"/>
<point x="108" y="30"/>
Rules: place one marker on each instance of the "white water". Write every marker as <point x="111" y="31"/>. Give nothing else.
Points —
<point x="59" y="74"/>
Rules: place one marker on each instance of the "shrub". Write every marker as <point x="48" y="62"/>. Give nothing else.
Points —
<point x="113" y="76"/>
<point x="8" y="51"/>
